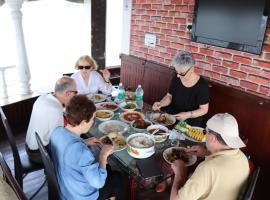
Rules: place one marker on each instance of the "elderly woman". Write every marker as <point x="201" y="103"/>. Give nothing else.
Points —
<point x="88" y="80"/>
<point x="188" y="96"/>
<point x="78" y="173"/>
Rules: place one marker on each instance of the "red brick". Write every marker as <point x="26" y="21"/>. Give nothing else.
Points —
<point x="135" y="27"/>
<point x="188" y="2"/>
<point x="190" y="48"/>
<point x="248" y="85"/>
<point x="171" y="51"/>
<point x="140" y="12"/>
<point x="166" y="31"/>
<point x="264" y="90"/>
<point x="156" y="18"/>
<point x="230" y="64"/>
<point x="266" y="74"/>
<point x="207" y="51"/>
<point x="223" y="55"/>
<point x="177" y="46"/>
<point x="180" y="33"/>
<point x="213" y="60"/>
<point x="161" y="25"/>
<point x="182" y="27"/>
<point x="136" y="6"/>
<point x="153" y="52"/>
<point x="173" y="13"/>
<point x="159" y="59"/>
<point x="266" y="56"/>
<point x="145" y="17"/>
<point x="203" y="65"/>
<point x="140" y="33"/>
<point x="198" y="70"/>
<point x="146" y="6"/>
<point x="238" y="74"/>
<point x="241" y="59"/>
<point x="184" y="41"/>
<point x="149" y="57"/>
<point x="143" y="49"/>
<point x="151" y="12"/>
<point x="168" y="7"/>
<point x="167" y="19"/>
<point x="198" y="56"/>
<point x="181" y="7"/>
<point x="161" y="36"/>
<point x="164" y="55"/>
<point x="157" y="6"/>
<point x="141" y="1"/>
<point x="211" y="74"/>
<point x="172" y="26"/>
<point x="145" y="28"/>
<point x="171" y="38"/>
<point x="220" y="69"/>
<point x="180" y="20"/>
<point x="162" y="13"/>
<point x="229" y="80"/>
<point x="250" y="69"/>
<point x="154" y="29"/>
<point x="164" y="43"/>
<point x="258" y="80"/>
<point x="266" y="47"/>
<point x="261" y="63"/>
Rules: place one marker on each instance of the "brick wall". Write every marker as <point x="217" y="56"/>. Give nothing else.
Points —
<point x="167" y="19"/>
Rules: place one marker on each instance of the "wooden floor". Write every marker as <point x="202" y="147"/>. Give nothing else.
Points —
<point x="35" y="179"/>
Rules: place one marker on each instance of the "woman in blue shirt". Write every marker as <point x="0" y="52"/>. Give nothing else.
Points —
<point x="79" y="175"/>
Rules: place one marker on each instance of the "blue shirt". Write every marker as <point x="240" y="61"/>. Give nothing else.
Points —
<point x="78" y="174"/>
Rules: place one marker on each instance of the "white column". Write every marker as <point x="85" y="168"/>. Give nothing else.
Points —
<point x="127" y="7"/>
<point x="3" y="84"/>
<point x="22" y="62"/>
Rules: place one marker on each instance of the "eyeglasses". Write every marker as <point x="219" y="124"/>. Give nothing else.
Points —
<point x="74" y="91"/>
<point x="183" y="74"/>
<point x="84" y="67"/>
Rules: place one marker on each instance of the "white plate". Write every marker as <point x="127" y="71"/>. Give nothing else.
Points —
<point x="113" y="126"/>
<point x="189" y="138"/>
<point x="121" y="117"/>
<point x="102" y="106"/>
<point x="123" y="104"/>
<point x="191" y="158"/>
<point x="116" y="146"/>
<point x="153" y="116"/>
<point x="107" y="111"/>
<point x="97" y="97"/>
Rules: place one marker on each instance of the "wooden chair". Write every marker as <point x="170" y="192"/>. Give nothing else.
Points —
<point x="11" y="180"/>
<point x="53" y="191"/>
<point x="22" y="163"/>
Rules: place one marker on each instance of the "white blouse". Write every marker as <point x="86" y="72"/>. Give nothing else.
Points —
<point x="95" y="83"/>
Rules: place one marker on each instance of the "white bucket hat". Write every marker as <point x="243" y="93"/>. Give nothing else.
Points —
<point x="226" y="125"/>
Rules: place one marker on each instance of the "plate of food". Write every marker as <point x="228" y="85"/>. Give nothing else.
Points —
<point x="128" y="106"/>
<point x="192" y="133"/>
<point x="104" y="115"/>
<point x="96" y="98"/>
<point x="107" y="106"/>
<point x="128" y="117"/>
<point x="113" y="126"/>
<point x="140" y="125"/>
<point x="178" y="153"/>
<point x="159" y="132"/>
<point x="161" y="118"/>
<point x="116" y="139"/>
<point x="129" y="95"/>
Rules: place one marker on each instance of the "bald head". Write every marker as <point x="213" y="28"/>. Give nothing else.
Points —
<point x="64" y="84"/>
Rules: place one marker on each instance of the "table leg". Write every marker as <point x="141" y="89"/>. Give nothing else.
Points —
<point x="133" y="188"/>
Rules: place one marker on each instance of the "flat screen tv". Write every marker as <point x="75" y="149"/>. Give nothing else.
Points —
<point x="233" y="24"/>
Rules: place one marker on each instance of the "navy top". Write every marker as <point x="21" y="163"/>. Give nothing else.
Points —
<point x="188" y="98"/>
<point x="78" y="174"/>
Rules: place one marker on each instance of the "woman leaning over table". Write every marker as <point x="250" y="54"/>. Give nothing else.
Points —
<point x="88" y="80"/>
<point x="78" y="174"/>
<point x="188" y="97"/>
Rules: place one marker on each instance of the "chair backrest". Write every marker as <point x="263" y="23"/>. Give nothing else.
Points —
<point x="10" y="180"/>
<point x="49" y="169"/>
<point x="11" y="140"/>
<point x="248" y="189"/>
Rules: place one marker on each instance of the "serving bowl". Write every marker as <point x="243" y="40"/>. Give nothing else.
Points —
<point x="104" y="115"/>
<point x="161" y="134"/>
<point x="140" y="125"/>
<point x="140" y="145"/>
<point x="128" y="106"/>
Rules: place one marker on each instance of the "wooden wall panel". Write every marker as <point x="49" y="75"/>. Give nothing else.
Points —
<point x="157" y="80"/>
<point x="132" y="71"/>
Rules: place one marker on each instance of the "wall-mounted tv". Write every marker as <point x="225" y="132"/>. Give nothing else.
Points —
<point x="233" y="24"/>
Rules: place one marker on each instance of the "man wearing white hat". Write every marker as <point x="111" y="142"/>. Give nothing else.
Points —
<point x="224" y="170"/>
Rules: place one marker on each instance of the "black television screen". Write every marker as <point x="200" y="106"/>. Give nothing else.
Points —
<point x="233" y="24"/>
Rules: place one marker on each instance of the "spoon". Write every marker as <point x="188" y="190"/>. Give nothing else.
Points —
<point x="155" y="131"/>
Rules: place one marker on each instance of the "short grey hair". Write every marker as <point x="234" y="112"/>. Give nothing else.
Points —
<point x="64" y="84"/>
<point x="183" y="59"/>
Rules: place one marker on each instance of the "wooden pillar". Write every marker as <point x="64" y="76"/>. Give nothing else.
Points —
<point x="98" y="40"/>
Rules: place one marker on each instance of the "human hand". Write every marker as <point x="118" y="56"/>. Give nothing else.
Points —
<point x="106" y="74"/>
<point x="156" y="106"/>
<point x="179" y="168"/>
<point x="198" y="150"/>
<point x="182" y="116"/>
<point x="106" y="150"/>
<point x="91" y="141"/>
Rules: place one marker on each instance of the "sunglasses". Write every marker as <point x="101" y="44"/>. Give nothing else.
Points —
<point x="84" y="67"/>
<point x="183" y="74"/>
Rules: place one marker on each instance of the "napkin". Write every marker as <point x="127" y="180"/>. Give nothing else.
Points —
<point x="173" y="135"/>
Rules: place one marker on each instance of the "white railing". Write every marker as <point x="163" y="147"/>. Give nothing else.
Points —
<point x="3" y="84"/>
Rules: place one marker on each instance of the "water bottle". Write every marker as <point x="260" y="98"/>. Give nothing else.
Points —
<point x="139" y="97"/>
<point x="121" y="93"/>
